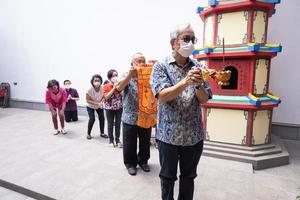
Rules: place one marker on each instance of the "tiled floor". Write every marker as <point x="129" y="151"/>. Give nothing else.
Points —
<point x="69" y="167"/>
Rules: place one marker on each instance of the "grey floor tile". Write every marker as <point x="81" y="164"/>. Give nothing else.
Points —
<point x="69" y="167"/>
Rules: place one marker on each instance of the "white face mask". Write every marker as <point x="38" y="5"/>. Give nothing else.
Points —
<point x="67" y="86"/>
<point x="186" y="49"/>
<point x="114" y="79"/>
<point x="97" y="84"/>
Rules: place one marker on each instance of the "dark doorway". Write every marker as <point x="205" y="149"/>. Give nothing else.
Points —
<point x="233" y="82"/>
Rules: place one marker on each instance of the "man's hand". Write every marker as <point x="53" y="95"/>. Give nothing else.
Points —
<point x="194" y="76"/>
<point x="132" y="71"/>
<point x="114" y="86"/>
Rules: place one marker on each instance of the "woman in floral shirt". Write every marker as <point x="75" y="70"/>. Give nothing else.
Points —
<point x="113" y="107"/>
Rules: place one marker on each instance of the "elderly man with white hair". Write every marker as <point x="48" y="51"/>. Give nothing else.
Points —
<point x="131" y="131"/>
<point x="177" y="83"/>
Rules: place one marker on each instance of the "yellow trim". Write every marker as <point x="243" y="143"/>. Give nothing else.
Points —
<point x="206" y="46"/>
<point x="253" y="97"/>
<point x="273" y="97"/>
<point x="210" y="46"/>
<point x="252" y="44"/>
<point x="272" y="45"/>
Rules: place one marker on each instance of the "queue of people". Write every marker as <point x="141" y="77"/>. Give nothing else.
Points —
<point x="177" y="83"/>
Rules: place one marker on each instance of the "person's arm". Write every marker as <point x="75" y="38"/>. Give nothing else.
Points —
<point x="64" y="100"/>
<point x="91" y="101"/>
<point x="51" y="108"/>
<point x="75" y="97"/>
<point x="108" y="94"/>
<point x="63" y="107"/>
<point x="170" y="93"/>
<point x="49" y="102"/>
<point x="202" y="94"/>
<point x="202" y="88"/>
<point x="120" y="86"/>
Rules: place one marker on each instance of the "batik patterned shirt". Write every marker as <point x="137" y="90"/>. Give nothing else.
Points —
<point x="130" y="102"/>
<point x="179" y="120"/>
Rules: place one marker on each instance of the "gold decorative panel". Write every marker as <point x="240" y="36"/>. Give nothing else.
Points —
<point x="259" y="27"/>
<point x="261" y="76"/>
<point x="233" y="27"/>
<point x="261" y="125"/>
<point x="226" y="125"/>
<point x="209" y="31"/>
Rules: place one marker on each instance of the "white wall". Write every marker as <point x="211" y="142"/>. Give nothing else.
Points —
<point x="74" y="39"/>
<point x="285" y="82"/>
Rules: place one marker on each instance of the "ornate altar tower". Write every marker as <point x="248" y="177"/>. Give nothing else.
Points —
<point x="238" y="118"/>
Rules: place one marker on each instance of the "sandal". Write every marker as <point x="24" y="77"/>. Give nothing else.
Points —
<point x="56" y="132"/>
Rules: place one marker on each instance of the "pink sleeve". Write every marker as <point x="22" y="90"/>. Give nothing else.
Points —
<point x="48" y="97"/>
<point x="64" y="95"/>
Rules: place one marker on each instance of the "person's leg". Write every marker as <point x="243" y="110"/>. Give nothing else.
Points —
<point x="101" y="122"/>
<point x="188" y="162"/>
<point x="168" y="158"/>
<point x="68" y="116"/>
<point x="54" y="118"/>
<point x="74" y="115"/>
<point x="118" y="117"/>
<point x="129" y="145"/>
<point x="61" y="118"/>
<point x="91" y="113"/>
<point x="110" y="125"/>
<point x="144" y="135"/>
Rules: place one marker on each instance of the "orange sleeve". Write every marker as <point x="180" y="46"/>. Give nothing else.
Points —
<point x="106" y="88"/>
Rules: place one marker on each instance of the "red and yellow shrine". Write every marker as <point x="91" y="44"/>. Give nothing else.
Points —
<point x="235" y="39"/>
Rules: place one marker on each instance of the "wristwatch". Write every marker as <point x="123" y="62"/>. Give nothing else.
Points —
<point x="199" y="86"/>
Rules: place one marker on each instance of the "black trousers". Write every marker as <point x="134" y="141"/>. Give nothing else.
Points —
<point x="91" y="113"/>
<point x="71" y="116"/>
<point x="114" y="120"/>
<point x="130" y="135"/>
<point x="188" y="158"/>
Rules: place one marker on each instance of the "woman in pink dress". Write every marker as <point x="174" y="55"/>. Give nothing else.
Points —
<point x="56" y="99"/>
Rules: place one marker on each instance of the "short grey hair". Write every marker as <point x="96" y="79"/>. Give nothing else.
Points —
<point x="137" y="53"/>
<point x="178" y="30"/>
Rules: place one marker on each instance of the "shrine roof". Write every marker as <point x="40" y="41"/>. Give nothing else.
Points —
<point x="250" y="49"/>
<point x="217" y="6"/>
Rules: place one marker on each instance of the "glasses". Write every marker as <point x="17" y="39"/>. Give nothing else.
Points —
<point x="187" y="39"/>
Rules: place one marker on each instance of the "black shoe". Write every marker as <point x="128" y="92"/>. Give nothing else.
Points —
<point x="145" y="167"/>
<point x="131" y="171"/>
<point x="103" y="135"/>
<point x="88" y="137"/>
